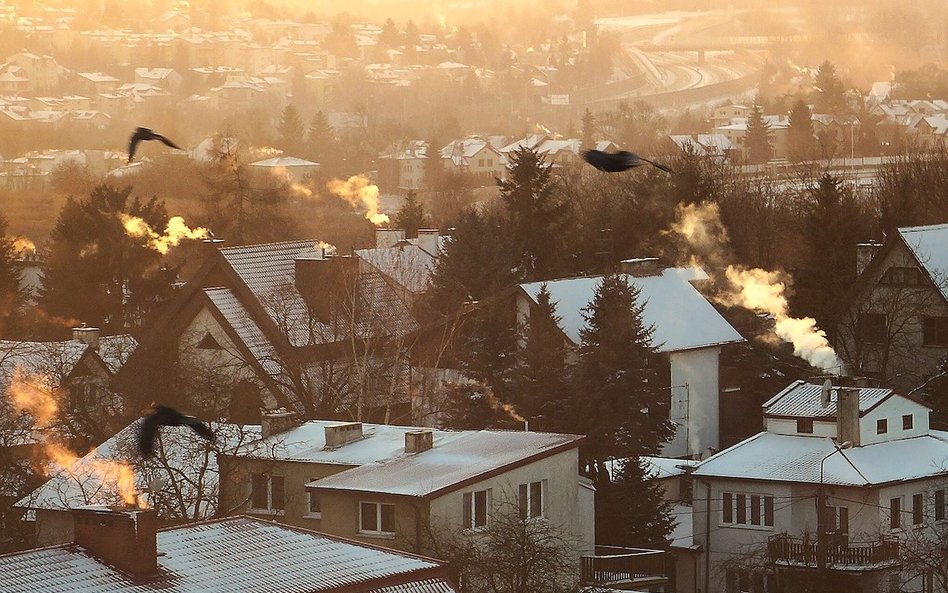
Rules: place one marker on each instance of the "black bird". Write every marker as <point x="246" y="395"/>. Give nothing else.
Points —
<point x="146" y="134"/>
<point x="165" y="416"/>
<point x="615" y="162"/>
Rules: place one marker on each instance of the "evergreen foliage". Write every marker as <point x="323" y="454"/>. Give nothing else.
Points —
<point x="630" y="509"/>
<point x="759" y="149"/>
<point x="290" y="131"/>
<point x="800" y="137"/>
<point x="543" y="383"/>
<point x="411" y="216"/>
<point x="11" y="297"/>
<point x="829" y="91"/>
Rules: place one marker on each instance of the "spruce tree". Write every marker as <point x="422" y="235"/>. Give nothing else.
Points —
<point x="631" y="509"/>
<point x="411" y="216"/>
<point x="321" y="143"/>
<point x="757" y="139"/>
<point x="11" y="297"/>
<point x="543" y="384"/>
<point x="589" y="130"/>
<point x="290" y="131"/>
<point x="801" y="140"/>
<point x="434" y="165"/>
<point x="536" y="213"/>
<point x="829" y="90"/>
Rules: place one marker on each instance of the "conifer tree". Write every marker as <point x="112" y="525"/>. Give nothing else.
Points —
<point x="321" y="139"/>
<point x="290" y="131"/>
<point x="759" y="149"/>
<point x="589" y="130"/>
<point x="800" y="137"/>
<point x="543" y="388"/>
<point x="536" y="213"/>
<point x="411" y="216"/>
<point x="829" y="90"/>
<point x="434" y="167"/>
<point x="11" y="297"/>
<point x="631" y="509"/>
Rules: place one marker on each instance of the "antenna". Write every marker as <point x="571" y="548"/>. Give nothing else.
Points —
<point x="827" y="390"/>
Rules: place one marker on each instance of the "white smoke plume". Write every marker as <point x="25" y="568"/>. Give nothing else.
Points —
<point x="359" y="191"/>
<point x="700" y="226"/>
<point x="175" y="232"/>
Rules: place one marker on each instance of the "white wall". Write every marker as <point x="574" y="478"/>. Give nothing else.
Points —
<point x="821" y="428"/>
<point x="892" y="410"/>
<point x="695" y="402"/>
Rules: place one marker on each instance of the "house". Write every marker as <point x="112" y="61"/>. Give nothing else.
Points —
<point x="404" y="169"/>
<point x="120" y="549"/>
<point x="165" y="78"/>
<point x="688" y="331"/>
<point x="407" y="264"/>
<point x="894" y="327"/>
<point x="399" y="486"/>
<point x="474" y="156"/>
<point x="276" y="323"/>
<point x="290" y="168"/>
<point x="97" y="82"/>
<point x="182" y="479"/>
<point x="843" y="488"/>
<point x="43" y="72"/>
<point x="717" y="146"/>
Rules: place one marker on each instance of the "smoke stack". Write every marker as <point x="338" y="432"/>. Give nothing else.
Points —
<point x="865" y="252"/>
<point x="340" y="434"/>
<point x="641" y="266"/>
<point x="276" y="421"/>
<point x="328" y="284"/>
<point x="123" y="538"/>
<point x="417" y="441"/>
<point x="428" y="240"/>
<point x="87" y="335"/>
<point x="847" y="415"/>
<point x="385" y="237"/>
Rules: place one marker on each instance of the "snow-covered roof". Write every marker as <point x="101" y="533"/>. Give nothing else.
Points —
<point x="243" y="324"/>
<point x="681" y="317"/>
<point x="232" y="554"/>
<point x="284" y="161"/>
<point x="804" y="400"/>
<point x="717" y="144"/>
<point x="929" y="244"/>
<point x="794" y="458"/>
<point x="455" y="459"/>
<point x="407" y="264"/>
<point x="657" y="468"/>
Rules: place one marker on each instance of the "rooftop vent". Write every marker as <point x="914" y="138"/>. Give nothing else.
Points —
<point x="340" y="434"/>
<point x="417" y="441"/>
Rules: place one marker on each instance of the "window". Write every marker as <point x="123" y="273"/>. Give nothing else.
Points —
<point x="755" y="510"/>
<point x="939" y="505"/>
<point x="266" y="493"/>
<point x="747" y="509"/>
<point x="769" y="511"/>
<point x="882" y="426"/>
<point x="935" y="331"/>
<point x="480" y="162"/>
<point x="742" y="509"/>
<point x="376" y="517"/>
<point x="314" y="510"/>
<point x="871" y="328"/>
<point x="895" y="513"/>
<point x="727" y="511"/>
<point x="805" y="425"/>
<point x="531" y="500"/>
<point x="898" y="276"/>
<point x="907" y="422"/>
<point x="475" y="508"/>
<point x="918" y="509"/>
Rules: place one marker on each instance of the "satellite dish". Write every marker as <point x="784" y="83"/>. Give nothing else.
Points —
<point x="827" y="389"/>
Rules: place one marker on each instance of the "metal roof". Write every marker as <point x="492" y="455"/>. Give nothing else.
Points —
<point x="804" y="400"/>
<point x="245" y="327"/>
<point x="230" y="555"/>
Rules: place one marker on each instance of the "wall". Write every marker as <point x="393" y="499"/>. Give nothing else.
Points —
<point x="695" y="409"/>
<point x="821" y="428"/>
<point x="892" y="410"/>
<point x="54" y="527"/>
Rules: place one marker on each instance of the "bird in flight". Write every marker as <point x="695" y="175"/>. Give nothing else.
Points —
<point x="146" y="134"/>
<point x="614" y="162"/>
<point x="165" y="416"/>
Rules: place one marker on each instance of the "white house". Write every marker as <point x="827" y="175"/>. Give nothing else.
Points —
<point x="866" y="458"/>
<point x="686" y="328"/>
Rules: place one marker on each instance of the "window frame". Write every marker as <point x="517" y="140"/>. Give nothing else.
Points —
<point x="938" y="500"/>
<point x="918" y="509"/>
<point x="379" y="530"/>
<point x="470" y="505"/>
<point x="895" y="512"/>
<point x="731" y="512"/>
<point x="882" y="426"/>
<point x="310" y="496"/>
<point x="804" y="425"/>
<point x="908" y="421"/>
<point x="526" y="499"/>
<point x="268" y="483"/>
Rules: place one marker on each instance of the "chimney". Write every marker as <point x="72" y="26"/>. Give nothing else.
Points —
<point x="212" y="244"/>
<point x="276" y="421"/>
<point x="428" y="240"/>
<point x="417" y="441"/>
<point x="123" y="538"/>
<point x="385" y="237"/>
<point x="641" y="266"/>
<point x="847" y="415"/>
<point x="865" y="252"/>
<point x="327" y="283"/>
<point x="338" y="435"/>
<point x="87" y="335"/>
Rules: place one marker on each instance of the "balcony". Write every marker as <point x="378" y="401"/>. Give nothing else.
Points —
<point x="612" y="565"/>
<point x="787" y="551"/>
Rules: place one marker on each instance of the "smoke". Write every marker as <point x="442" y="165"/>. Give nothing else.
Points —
<point x="32" y="394"/>
<point x="358" y="191"/>
<point x="175" y="232"/>
<point x="300" y="189"/>
<point x="22" y="244"/>
<point x="701" y="228"/>
<point x="326" y="248"/>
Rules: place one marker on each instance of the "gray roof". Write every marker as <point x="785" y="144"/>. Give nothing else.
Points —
<point x="406" y="263"/>
<point x="929" y="244"/>
<point x="246" y="328"/>
<point x="804" y="400"/>
<point x="231" y="554"/>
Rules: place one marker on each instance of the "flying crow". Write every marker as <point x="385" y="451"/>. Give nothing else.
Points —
<point x="614" y="162"/>
<point x="146" y="134"/>
<point x="165" y="416"/>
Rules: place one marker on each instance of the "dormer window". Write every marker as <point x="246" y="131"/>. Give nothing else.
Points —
<point x="882" y="426"/>
<point x="805" y="425"/>
<point x="907" y="421"/>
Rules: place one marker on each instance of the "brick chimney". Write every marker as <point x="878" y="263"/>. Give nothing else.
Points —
<point x="123" y="538"/>
<point x="87" y="335"/>
<point x="847" y="415"/>
<point x="417" y="441"/>
<point x="328" y="283"/>
<point x="338" y="435"/>
<point x="641" y="266"/>
<point x="276" y="421"/>
<point x="385" y="237"/>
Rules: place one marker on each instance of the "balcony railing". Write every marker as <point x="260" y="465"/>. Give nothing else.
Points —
<point x="612" y="564"/>
<point x="790" y="551"/>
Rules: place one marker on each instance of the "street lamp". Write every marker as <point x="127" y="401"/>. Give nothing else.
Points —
<point x="821" y="513"/>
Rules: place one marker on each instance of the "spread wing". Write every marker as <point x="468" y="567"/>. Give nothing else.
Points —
<point x="137" y="137"/>
<point x="165" y="141"/>
<point x="146" y="435"/>
<point x="200" y="428"/>
<point x="611" y="162"/>
<point x="664" y="168"/>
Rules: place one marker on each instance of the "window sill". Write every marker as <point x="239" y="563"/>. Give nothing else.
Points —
<point x="313" y="516"/>
<point x="747" y="526"/>
<point x="377" y="534"/>
<point x="271" y="512"/>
